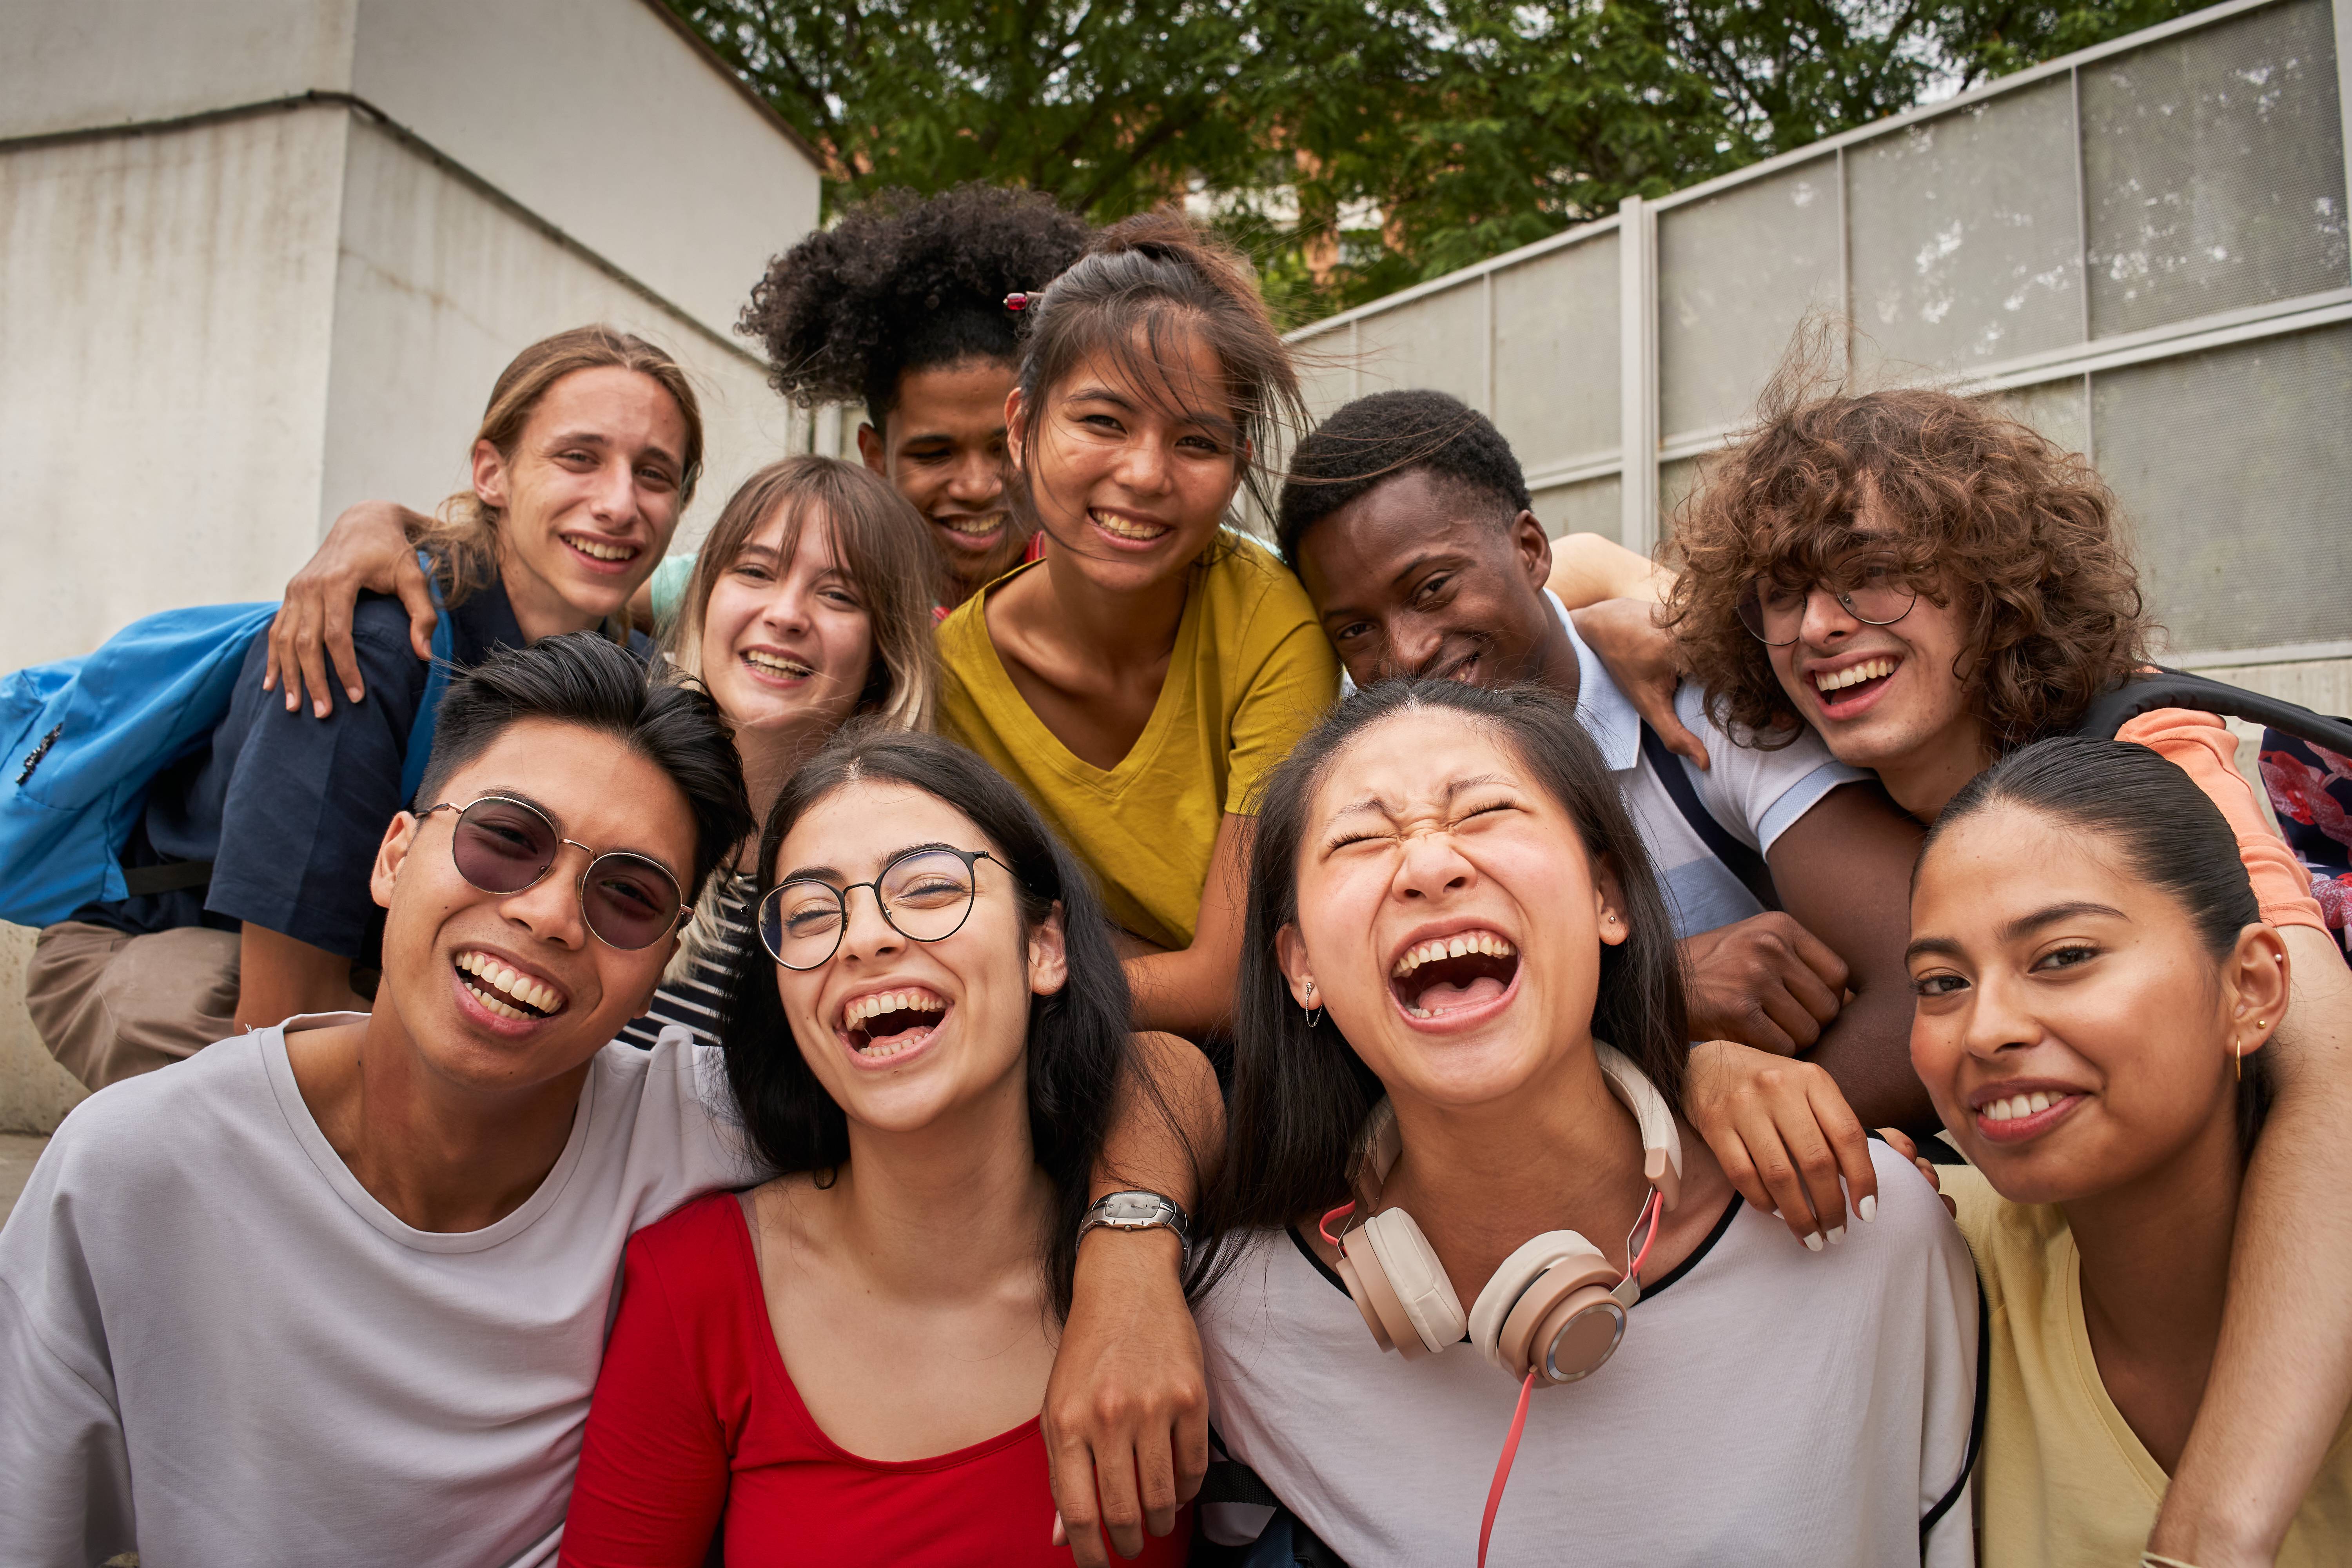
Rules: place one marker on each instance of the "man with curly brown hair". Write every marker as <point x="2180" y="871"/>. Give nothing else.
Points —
<point x="1927" y="585"/>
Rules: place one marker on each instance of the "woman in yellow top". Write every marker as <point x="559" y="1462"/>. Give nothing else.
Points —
<point x="2094" y="984"/>
<point x="1137" y="680"/>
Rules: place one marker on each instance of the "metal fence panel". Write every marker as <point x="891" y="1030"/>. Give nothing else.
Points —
<point x="1965" y="237"/>
<point x="1737" y="272"/>
<point x="1437" y="341"/>
<point x="2215" y="165"/>
<point x="1556" y="352"/>
<point x="2236" y="479"/>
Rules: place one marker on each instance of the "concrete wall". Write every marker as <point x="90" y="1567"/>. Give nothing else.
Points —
<point x="223" y="324"/>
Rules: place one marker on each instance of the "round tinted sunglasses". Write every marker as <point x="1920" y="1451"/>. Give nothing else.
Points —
<point x="925" y="894"/>
<point x="502" y="845"/>
<point x="1873" y="590"/>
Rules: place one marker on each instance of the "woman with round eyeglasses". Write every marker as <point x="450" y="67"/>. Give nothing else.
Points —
<point x="845" y="1364"/>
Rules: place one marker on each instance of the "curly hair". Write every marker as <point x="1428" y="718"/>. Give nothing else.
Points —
<point x="906" y="282"/>
<point x="1375" y="438"/>
<point x="1990" y="516"/>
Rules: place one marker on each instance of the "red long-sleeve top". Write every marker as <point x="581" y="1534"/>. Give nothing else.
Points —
<point x="697" y="1429"/>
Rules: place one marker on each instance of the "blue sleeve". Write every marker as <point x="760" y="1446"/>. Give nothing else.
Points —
<point x="308" y="798"/>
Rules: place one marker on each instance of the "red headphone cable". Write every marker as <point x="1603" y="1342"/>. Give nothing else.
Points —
<point x="1650" y="1211"/>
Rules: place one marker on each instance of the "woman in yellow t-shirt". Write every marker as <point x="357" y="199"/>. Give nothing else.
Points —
<point x="1138" y="679"/>
<point x="2094" y="983"/>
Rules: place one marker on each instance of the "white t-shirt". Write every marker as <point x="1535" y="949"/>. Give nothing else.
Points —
<point x="1767" y="1406"/>
<point x="216" y="1349"/>
<point x="1753" y="795"/>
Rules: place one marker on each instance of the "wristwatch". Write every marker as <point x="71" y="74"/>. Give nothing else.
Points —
<point x="1137" y="1211"/>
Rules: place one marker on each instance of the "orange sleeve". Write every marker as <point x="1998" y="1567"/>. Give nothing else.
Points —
<point x="2202" y="746"/>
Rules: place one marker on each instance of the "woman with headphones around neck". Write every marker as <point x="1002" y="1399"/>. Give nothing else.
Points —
<point x="1459" y="1035"/>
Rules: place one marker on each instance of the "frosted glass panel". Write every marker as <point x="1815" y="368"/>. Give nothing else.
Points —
<point x="2237" y="482"/>
<point x="1557" y="351"/>
<point x="1593" y="506"/>
<point x="1737" y="272"/>
<point x="2213" y="163"/>
<point x="1437" y="341"/>
<point x="2060" y="410"/>
<point x="1967" y="246"/>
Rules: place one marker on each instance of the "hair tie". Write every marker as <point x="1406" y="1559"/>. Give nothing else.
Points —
<point x="1018" y="301"/>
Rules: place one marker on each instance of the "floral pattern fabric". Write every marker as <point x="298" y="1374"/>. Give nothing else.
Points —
<point x="2311" y="790"/>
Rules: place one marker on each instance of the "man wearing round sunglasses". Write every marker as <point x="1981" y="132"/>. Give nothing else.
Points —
<point x="336" y="1290"/>
<point x="1926" y="587"/>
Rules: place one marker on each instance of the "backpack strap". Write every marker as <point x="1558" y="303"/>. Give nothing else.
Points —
<point x="2138" y="694"/>
<point x="1740" y="860"/>
<point x="437" y="672"/>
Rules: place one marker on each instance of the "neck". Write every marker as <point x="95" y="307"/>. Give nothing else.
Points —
<point x="2156" y="1260"/>
<point x="947" y="1209"/>
<point x="538" y="609"/>
<point x="1134" y="629"/>
<point x="441" y="1156"/>
<point x="1924" y="780"/>
<point x="1560" y="1154"/>
<point x="1557" y="665"/>
<point x="770" y="757"/>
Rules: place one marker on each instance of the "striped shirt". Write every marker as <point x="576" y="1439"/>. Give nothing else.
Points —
<point x="694" y="1000"/>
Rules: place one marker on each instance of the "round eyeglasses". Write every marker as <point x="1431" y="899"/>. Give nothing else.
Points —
<point x="502" y="845"/>
<point x="1872" y="589"/>
<point x="925" y="895"/>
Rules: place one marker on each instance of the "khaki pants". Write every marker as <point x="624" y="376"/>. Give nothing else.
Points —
<point x="111" y="1005"/>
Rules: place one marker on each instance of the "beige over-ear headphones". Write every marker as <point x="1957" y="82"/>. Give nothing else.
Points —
<point x="1556" y="1308"/>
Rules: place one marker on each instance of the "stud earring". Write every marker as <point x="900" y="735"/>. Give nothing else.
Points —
<point x="1314" y="1015"/>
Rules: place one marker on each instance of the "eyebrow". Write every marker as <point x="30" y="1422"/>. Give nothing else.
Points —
<point x="835" y="876"/>
<point x="1453" y="787"/>
<point x="2023" y="925"/>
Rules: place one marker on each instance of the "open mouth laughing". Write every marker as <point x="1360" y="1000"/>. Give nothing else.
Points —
<point x="504" y="991"/>
<point x="978" y="531"/>
<point x="881" y="1024"/>
<point x="776" y="666"/>
<point x="1850" y="688"/>
<point x="2013" y="1113"/>
<point x="601" y="555"/>
<point x="1129" y="529"/>
<point x="1453" y="974"/>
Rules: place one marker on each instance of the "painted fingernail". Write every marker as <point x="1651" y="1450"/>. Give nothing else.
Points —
<point x="1868" y="1208"/>
<point x="1812" y="1241"/>
<point x="1837" y="1234"/>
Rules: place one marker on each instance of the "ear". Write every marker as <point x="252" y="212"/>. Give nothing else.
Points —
<point x="1049" y="955"/>
<point x="398" y="839"/>
<point x="2257" y="976"/>
<point x="869" y="446"/>
<point x="1016" y="437"/>
<point x="1608" y="903"/>
<point x="1532" y="545"/>
<point x="489" y="475"/>
<point x="1290" y="952"/>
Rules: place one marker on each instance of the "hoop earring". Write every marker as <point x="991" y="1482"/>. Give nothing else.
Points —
<point x="2238" y="1056"/>
<point x="1314" y="1015"/>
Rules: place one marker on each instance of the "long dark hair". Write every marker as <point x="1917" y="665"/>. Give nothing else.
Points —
<point x="1078" y="1047"/>
<point x="1300" y="1092"/>
<point x="2172" y="835"/>
<point x="1143" y="285"/>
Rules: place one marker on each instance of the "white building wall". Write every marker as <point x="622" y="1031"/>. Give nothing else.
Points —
<point x="218" y="326"/>
<point x="166" y="322"/>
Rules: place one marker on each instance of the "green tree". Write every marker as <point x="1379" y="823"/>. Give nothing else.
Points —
<point x="1357" y="146"/>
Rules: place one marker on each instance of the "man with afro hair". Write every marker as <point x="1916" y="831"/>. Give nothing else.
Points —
<point x="902" y="306"/>
<point x="1408" y="519"/>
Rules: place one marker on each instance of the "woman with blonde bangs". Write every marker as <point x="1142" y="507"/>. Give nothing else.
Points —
<point x="587" y="452"/>
<point x="809" y="604"/>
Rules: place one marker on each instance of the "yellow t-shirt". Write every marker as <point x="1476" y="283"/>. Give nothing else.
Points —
<point x="1251" y="673"/>
<point x="2063" y="1480"/>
